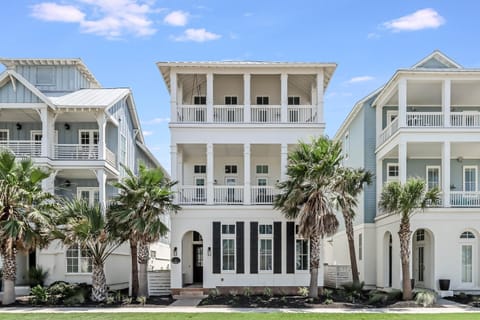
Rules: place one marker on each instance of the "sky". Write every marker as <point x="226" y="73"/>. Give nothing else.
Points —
<point x="121" y="40"/>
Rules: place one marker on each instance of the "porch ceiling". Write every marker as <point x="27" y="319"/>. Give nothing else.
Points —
<point x="19" y="115"/>
<point x="433" y="150"/>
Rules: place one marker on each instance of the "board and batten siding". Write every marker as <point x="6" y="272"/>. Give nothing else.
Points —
<point x="20" y="94"/>
<point x="369" y="191"/>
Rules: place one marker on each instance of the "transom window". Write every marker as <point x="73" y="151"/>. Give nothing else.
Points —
<point x="420" y="235"/>
<point x="265" y="229"/>
<point x="262" y="100"/>
<point x="231" y="168"/>
<point x="467" y="235"/>
<point x="262" y="169"/>
<point x="262" y="182"/>
<point x="199" y="100"/>
<point x="293" y="101"/>
<point x="228" y="229"/>
<point x="45" y="76"/>
<point x="4" y="134"/>
<point x="433" y="177"/>
<point x="197" y="237"/>
<point x="78" y="260"/>
<point x="200" y="168"/>
<point x="470" y="178"/>
<point x="392" y="172"/>
<point x="231" y="100"/>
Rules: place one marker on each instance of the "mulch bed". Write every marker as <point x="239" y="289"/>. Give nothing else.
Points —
<point x="467" y="299"/>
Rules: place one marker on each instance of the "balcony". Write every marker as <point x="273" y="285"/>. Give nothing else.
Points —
<point x="22" y="148"/>
<point x="228" y="114"/>
<point x="82" y="152"/>
<point x="226" y="195"/>
<point x="465" y="199"/>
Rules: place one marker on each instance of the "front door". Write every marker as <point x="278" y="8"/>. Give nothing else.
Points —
<point x="197" y="263"/>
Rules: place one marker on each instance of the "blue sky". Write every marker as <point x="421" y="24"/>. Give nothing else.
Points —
<point x="120" y="41"/>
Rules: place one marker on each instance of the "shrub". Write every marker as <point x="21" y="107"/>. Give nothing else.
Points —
<point x="426" y="298"/>
<point x="110" y="299"/>
<point x="77" y="298"/>
<point x="233" y="293"/>
<point x="37" y="276"/>
<point x="247" y="291"/>
<point x="303" y="291"/>
<point x="127" y="300"/>
<point x="327" y="293"/>
<point x="353" y="290"/>
<point x="142" y="300"/>
<point x="376" y="297"/>
<point x="62" y="291"/>
<point x="39" y="295"/>
<point x="267" y="292"/>
<point x="328" y="301"/>
<point x="395" y="295"/>
<point x="213" y="293"/>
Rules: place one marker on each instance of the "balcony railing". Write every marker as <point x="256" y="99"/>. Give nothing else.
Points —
<point x="266" y="113"/>
<point x="110" y="157"/>
<point x="22" y="148"/>
<point x="192" y="113"/>
<point x="302" y="114"/>
<point x="228" y="194"/>
<point x="225" y="195"/>
<point x="465" y="119"/>
<point x="262" y="194"/>
<point x="465" y="198"/>
<point x="388" y="132"/>
<point x="192" y="195"/>
<point x="424" y="119"/>
<point x="75" y="152"/>
<point x="228" y="113"/>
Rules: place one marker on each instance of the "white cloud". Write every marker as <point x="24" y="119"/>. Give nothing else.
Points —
<point x="360" y="79"/>
<point x="109" y="18"/>
<point x="422" y="19"/>
<point x="156" y="121"/>
<point x="176" y="18"/>
<point x="147" y="133"/>
<point x="373" y="35"/>
<point x="197" y="35"/>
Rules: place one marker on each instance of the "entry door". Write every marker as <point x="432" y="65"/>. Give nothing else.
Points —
<point x="197" y="263"/>
<point x="230" y="181"/>
<point x="420" y="266"/>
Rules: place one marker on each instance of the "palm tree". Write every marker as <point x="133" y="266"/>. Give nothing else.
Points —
<point x="137" y="215"/>
<point x="86" y="226"/>
<point x="348" y="186"/>
<point x="26" y="215"/>
<point x="307" y="195"/>
<point x="406" y="200"/>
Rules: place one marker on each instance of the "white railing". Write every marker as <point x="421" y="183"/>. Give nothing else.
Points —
<point x="262" y="194"/>
<point x="110" y="157"/>
<point x="227" y="113"/>
<point x="388" y="132"/>
<point x="228" y="194"/>
<point x="266" y="114"/>
<point x="192" y="113"/>
<point x="465" y="199"/>
<point x="192" y="195"/>
<point x="465" y="119"/>
<point x="22" y="148"/>
<point x="301" y="114"/>
<point x="75" y="152"/>
<point x="424" y="119"/>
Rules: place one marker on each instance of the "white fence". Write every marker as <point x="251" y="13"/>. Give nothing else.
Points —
<point x="22" y="148"/>
<point x="159" y="283"/>
<point x="228" y="113"/>
<point x="262" y="194"/>
<point x="192" y="195"/>
<point x="464" y="199"/>
<point x="424" y="119"/>
<point x="336" y="275"/>
<point x="301" y="114"/>
<point x="228" y="194"/>
<point x="266" y="114"/>
<point x="75" y="151"/>
<point x="192" y="113"/>
<point x="465" y="119"/>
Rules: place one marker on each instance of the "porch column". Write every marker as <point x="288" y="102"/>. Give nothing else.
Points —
<point x="179" y="166"/>
<point x="284" y="97"/>
<point x="48" y="132"/>
<point x="402" y="102"/>
<point x="246" y="168"/>
<point x="173" y="96"/>
<point x="283" y="161"/>
<point x="102" y="124"/>
<point x="379" y="123"/>
<point x="446" y="173"/>
<point x="173" y="169"/>
<point x="102" y="192"/>
<point x="48" y="184"/>
<point x="209" y="97"/>
<point x="320" y="97"/>
<point x="402" y="161"/>
<point x="446" y="101"/>
<point x="210" y="192"/>
<point x="246" y="97"/>
<point x="379" y="181"/>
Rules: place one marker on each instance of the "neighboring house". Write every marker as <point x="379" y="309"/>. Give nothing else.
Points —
<point x="56" y="112"/>
<point x="425" y="122"/>
<point x="232" y="126"/>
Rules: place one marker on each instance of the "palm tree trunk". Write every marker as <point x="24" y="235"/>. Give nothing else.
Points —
<point x="351" y="246"/>
<point x="404" y="235"/>
<point x="314" y="264"/>
<point x="143" y="253"/>
<point x="99" y="283"/>
<point x="134" y="259"/>
<point x="9" y="276"/>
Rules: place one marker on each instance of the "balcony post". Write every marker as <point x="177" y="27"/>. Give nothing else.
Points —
<point x="446" y="173"/>
<point x="179" y="166"/>
<point x="283" y="161"/>
<point x="102" y="194"/>
<point x="379" y="122"/>
<point x="48" y="129"/>
<point x="102" y="124"/>
<point x="402" y="103"/>
<point x="379" y="179"/>
<point x="173" y="168"/>
<point x="210" y="193"/>
<point x="284" y="97"/>
<point x="446" y="101"/>
<point x="246" y="97"/>
<point x="173" y="96"/>
<point x="402" y="162"/>
<point x="210" y="97"/>
<point x="320" y="96"/>
<point x="246" y="170"/>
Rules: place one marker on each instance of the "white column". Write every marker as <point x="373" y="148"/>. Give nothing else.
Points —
<point x="246" y="168"/>
<point x="283" y="161"/>
<point x="209" y="97"/>
<point x="48" y="184"/>
<point x="446" y="173"/>
<point x="179" y="166"/>
<point x="402" y="103"/>
<point x="402" y="161"/>
<point x="210" y="193"/>
<point x="102" y="125"/>
<point x="173" y="96"/>
<point x="378" y="122"/>
<point x="48" y="132"/>
<point x="320" y="97"/>
<point x="284" y="97"/>
<point x="246" y="97"/>
<point x="173" y="169"/>
<point x="446" y="101"/>
<point x="379" y="180"/>
<point x="102" y="192"/>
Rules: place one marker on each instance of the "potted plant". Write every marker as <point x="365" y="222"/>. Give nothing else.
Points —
<point x="444" y="284"/>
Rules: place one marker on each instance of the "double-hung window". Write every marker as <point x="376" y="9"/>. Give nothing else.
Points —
<point x="392" y="172"/>
<point x="433" y="177"/>
<point x="78" y="260"/>
<point x="470" y="178"/>
<point x="265" y="232"/>
<point x="4" y="134"/>
<point x="228" y="247"/>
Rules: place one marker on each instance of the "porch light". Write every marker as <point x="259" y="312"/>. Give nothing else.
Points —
<point x="67" y="126"/>
<point x="215" y="181"/>
<point x="67" y="183"/>
<point x="175" y="251"/>
<point x="460" y="159"/>
<point x="209" y="251"/>
<point x="19" y="126"/>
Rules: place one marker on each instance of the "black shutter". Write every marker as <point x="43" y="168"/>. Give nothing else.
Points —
<point x="290" y="247"/>
<point x="253" y="247"/>
<point x="277" y="247"/>
<point x="240" y="247"/>
<point x="216" y="254"/>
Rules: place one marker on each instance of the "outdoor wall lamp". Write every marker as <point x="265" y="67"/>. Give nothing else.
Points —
<point x="67" y="126"/>
<point x="209" y="251"/>
<point x="175" y="251"/>
<point x="19" y="126"/>
<point x="67" y="183"/>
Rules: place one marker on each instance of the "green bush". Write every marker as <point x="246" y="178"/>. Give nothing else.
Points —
<point x="37" y="276"/>
<point x="213" y="293"/>
<point x="327" y="293"/>
<point x="328" y="301"/>
<point x="247" y="291"/>
<point x="142" y="300"/>
<point x="425" y="298"/>
<point x="76" y="299"/>
<point x="62" y="291"/>
<point x="267" y="292"/>
<point x="353" y="290"/>
<point x="303" y="291"/>
<point x="39" y="295"/>
<point x="395" y="295"/>
<point x="376" y="297"/>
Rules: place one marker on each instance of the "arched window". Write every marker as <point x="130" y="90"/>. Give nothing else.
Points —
<point x="467" y="235"/>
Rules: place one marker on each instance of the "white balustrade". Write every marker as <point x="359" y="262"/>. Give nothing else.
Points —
<point x="266" y="114"/>
<point x="465" y="199"/>
<point x="192" y="194"/>
<point x="228" y="113"/>
<point x="111" y="157"/>
<point x="262" y="194"/>
<point x="301" y="114"/>
<point x="22" y="148"/>
<point x="465" y="119"/>
<point x="76" y="152"/>
<point x="424" y="119"/>
<point x="228" y="194"/>
<point x="388" y="132"/>
<point x="192" y="113"/>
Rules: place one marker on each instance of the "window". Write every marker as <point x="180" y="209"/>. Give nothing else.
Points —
<point x="293" y="101"/>
<point x="88" y="136"/>
<point x="301" y="252"/>
<point x="4" y="134"/>
<point x="467" y="263"/>
<point x="123" y="149"/>
<point x="262" y="182"/>
<point x="262" y="169"/>
<point x="228" y="247"/>
<point x="360" y="247"/>
<point x="262" y="100"/>
<point x="199" y="100"/>
<point x="392" y="172"/>
<point x="470" y="178"/>
<point x="420" y="235"/>
<point x="265" y="244"/>
<point x="346" y="145"/>
<point x="78" y="260"/>
<point x="45" y="76"/>
<point x="197" y="237"/>
<point x="88" y="194"/>
<point x="433" y="177"/>
<point x="467" y="235"/>
<point x="200" y="189"/>
<point x="153" y="254"/>
<point x="265" y="229"/>
<point x="231" y="100"/>
<point x="231" y="168"/>
<point x="200" y="168"/>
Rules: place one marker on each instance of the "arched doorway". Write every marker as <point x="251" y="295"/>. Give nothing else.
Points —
<point x="192" y="259"/>
<point x="422" y="258"/>
<point x="387" y="242"/>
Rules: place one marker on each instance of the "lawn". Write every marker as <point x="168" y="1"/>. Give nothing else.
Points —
<point x="234" y="316"/>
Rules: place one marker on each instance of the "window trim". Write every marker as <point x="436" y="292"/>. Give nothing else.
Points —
<point x="8" y="134"/>
<point x="261" y="165"/>
<point x="265" y="236"/>
<point x="91" y="193"/>
<point x="79" y="248"/>
<point x="476" y="177"/>
<point x="472" y="242"/>
<point x="231" y="174"/>
<point x="439" y="175"/>
<point x="233" y="237"/>
<point x="200" y="165"/>
<point x="293" y="100"/>
<point x="298" y="238"/>
<point x="200" y="100"/>
<point x="90" y="132"/>
<point x="262" y="104"/>
<point x="231" y="104"/>
<point x="391" y="164"/>
<point x="360" y="246"/>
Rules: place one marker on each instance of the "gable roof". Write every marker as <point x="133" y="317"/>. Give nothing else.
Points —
<point x="91" y="98"/>
<point x="435" y="60"/>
